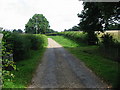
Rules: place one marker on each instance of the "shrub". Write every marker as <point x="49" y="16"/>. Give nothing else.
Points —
<point x="107" y="40"/>
<point x="76" y="36"/>
<point x="110" y="47"/>
<point x="21" y="44"/>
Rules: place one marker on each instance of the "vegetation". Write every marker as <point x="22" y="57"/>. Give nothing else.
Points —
<point x="106" y="69"/>
<point x="37" y="24"/>
<point x="74" y="28"/>
<point x="21" y="44"/>
<point x="17" y="72"/>
<point x="108" y="46"/>
<point x="17" y="31"/>
<point x="101" y="20"/>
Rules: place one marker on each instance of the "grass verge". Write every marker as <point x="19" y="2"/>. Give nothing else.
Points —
<point x="103" y="67"/>
<point x="25" y="69"/>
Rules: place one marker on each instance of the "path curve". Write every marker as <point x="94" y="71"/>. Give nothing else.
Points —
<point x="60" y="69"/>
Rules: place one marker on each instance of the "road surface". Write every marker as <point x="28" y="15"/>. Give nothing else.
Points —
<point x="60" y="69"/>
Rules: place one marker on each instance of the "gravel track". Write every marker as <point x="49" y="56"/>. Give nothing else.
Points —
<point x="60" y="69"/>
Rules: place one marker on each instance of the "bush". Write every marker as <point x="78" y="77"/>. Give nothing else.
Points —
<point x="78" y="37"/>
<point x="21" y="44"/>
<point x="107" y="40"/>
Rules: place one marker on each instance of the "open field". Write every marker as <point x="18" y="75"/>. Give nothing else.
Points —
<point x="103" y="67"/>
<point x="115" y="33"/>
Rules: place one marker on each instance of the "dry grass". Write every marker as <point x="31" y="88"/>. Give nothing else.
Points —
<point x="114" y="33"/>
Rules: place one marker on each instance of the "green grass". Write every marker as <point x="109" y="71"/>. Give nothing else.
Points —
<point x="61" y="40"/>
<point x="103" y="67"/>
<point x="25" y="69"/>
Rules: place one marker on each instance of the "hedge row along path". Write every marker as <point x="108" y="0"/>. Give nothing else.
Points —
<point x="60" y="69"/>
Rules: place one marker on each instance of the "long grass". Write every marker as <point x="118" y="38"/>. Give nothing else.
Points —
<point x="25" y="69"/>
<point x="103" y="67"/>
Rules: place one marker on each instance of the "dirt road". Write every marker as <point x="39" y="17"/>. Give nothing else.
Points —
<point x="60" y="69"/>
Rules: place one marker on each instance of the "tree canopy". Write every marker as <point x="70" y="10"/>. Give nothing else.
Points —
<point x="37" y="24"/>
<point x="17" y="31"/>
<point x="98" y="16"/>
<point x="74" y="28"/>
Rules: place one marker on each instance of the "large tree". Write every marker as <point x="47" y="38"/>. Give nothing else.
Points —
<point x="90" y="21"/>
<point x="97" y="16"/>
<point x="37" y="24"/>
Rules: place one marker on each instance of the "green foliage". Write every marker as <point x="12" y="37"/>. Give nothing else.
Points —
<point x="7" y="60"/>
<point x="97" y="16"/>
<point x="74" y="28"/>
<point x="25" y="69"/>
<point x="20" y="45"/>
<point x="105" y="68"/>
<point x="37" y="24"/>
<point x="110" y="46"/>
<point x="88" y="23"/>
<point x="107" y="40"/>
<point x="52" y="34"/>
<point x="76" y="36"/>
<point x="110" y="13"/>
<point x="51" y="31"/>
<point x="64" y="42"/>
<point x="17" y="31"/>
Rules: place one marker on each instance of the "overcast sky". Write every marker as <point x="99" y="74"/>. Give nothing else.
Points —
<point x="61" y="14"/>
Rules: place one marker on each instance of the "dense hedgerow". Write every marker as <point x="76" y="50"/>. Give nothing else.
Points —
<point x="76" y="36"/>
<point x="81" y="37"/>
<point x="17" y="47"/>
<point x="108" y="46"/>
<point x="21" y="44"/>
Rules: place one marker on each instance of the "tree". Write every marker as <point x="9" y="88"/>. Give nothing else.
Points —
<point x="37" y="24"/>
<point x="98" y="16"/>
<point x="110" y="12"/>
<point x="75" y="28"/>
<point x="90" y="21"/>
<point x="17" y="31"/>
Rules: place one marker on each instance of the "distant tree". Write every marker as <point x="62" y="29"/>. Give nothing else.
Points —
<point x="17" y="31"/>
<point x="14" y="30"/>
<point x="20" y="31"/>
<point x="37" y="24"/>
<point x="50" y="31"/>
<point x="75" y="28"/>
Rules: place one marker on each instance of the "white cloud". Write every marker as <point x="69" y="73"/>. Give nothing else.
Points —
<point x="61" y="14"/>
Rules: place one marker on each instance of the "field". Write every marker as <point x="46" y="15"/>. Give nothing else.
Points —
<point x="115" y="34"/>
<point x="105" y="68"/>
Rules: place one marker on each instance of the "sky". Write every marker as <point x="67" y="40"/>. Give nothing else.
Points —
<point x="61" y="14"/>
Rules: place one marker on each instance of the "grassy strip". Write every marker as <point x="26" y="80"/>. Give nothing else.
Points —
<point x="25" y="69"/>
<point x="106" y="69"/>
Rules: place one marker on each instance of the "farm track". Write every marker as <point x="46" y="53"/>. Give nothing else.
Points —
<point x="60" y="69"/>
